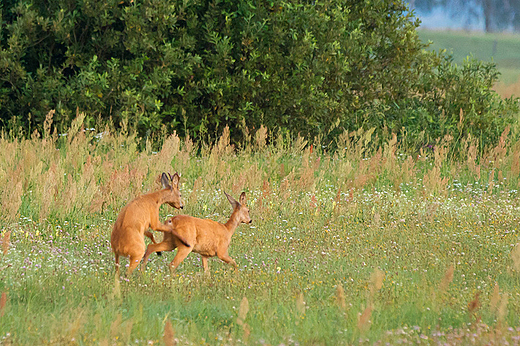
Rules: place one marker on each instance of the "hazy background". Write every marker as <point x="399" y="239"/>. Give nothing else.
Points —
<point x="476" y="15"/>
<point x="486" y="30"/>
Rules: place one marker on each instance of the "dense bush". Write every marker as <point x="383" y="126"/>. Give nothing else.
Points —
<point x="309" y="67"/>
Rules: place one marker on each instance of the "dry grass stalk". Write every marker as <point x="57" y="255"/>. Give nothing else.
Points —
<point x="376" y="222"/>
<point x="364" y="319"/>
<point x="502" y="310"/>
<point x="116" y="324"/>
<point x="75" y="326"/>
<point x="433" y="182"/>
<point x="514" y="171"/>
<point x="515" y="255"/>
<point x="472" y="157"/>
<point x="376" y="281"/>
<point x="51" y="185"/>
<point x="500" y="151"/>
<point x="223" y="147"/>
<point x="460" y="125"/>
<point x="307" y="172"/>
<point x="48" y="123"/>
<point x="116" y="293"/>
<point x="169" y="334"/>
<point x="98" y="322"/>
<point x="128" y="330"/>
<point x="97" y="202"/>
<point x="69" y="196"/>
<point x="242" y="311"/>
<point x="11" y="201"/>
<point x="197" y="185"/>
<point x="300" y="304"/>
<point x="247" y="332"/>
<point x="3" y="302"/>
<point x="242" y="314"/>
<point x="474" y="306"/>
<point x="495" y="298"/>
<point x="5" y="242"/>
<point x="246" y="145"/>
<point x="169" y="150"/>
<point x="491" y="181"/>
<point x="307" y="179"/>
<point x="340" y="297"/>
<point x="116" y="188"/>
<point x="447" y="279"/>
<point x="408" y="170"/>
<point x="313" y="204"/>
<point x="343" y="142"/>
<point x="75" y="126"/>
<point x="391" y="148"/>
<point x="187" y="148"/>
<point x="261" y="137"/>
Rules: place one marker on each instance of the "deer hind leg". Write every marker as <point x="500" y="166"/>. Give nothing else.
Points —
<point x="117" y="264"/>
<point x="182" y="253"/>
<point x="134" y="262"/>
<point x="164" y="246"/>
<point x="135" y="257"/>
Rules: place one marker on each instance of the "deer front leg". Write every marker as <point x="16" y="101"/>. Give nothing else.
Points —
<point x="205" y="264"/>
<point x="150" y="235"/>
<point x="157" y="225"/>
<point x="226" y="258"/>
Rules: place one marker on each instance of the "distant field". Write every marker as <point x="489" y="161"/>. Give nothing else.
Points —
<point x="504" y="49"/>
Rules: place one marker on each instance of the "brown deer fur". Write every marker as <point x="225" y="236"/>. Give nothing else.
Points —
<point x="207" y="238"/>
<point x="140" y="214"/>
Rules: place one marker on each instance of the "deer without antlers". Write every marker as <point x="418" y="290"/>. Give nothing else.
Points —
<point x="207" y="238"/>
<point x="141" y="213"/>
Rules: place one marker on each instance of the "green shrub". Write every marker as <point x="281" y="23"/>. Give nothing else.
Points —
<point x="314" y="68"/>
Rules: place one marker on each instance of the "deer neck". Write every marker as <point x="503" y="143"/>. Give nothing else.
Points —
<point x="160" y="197"/>
<point x="233" y="222"/>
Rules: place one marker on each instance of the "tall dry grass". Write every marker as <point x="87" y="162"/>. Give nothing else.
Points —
<point x="169" y="334"/>
<point x="49" y="176"/>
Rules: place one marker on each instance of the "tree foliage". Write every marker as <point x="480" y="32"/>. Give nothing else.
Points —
<point x="309" y="67"/>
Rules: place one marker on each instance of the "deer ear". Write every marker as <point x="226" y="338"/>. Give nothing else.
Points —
<point x="175" y="179"/>
<point x="242" y="199"/>
<point x="165" y="181"/>
<point x="231" y="200"/>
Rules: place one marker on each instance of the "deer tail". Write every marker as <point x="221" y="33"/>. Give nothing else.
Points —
<point x="181" y="239"/>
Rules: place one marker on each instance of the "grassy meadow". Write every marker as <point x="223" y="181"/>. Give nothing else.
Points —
<point x="501" y="48"/>
<point x="358" y="245"/>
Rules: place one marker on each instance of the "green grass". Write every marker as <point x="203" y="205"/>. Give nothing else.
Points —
<point x="385" y="227"/>
<point x="501" y="48"/>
